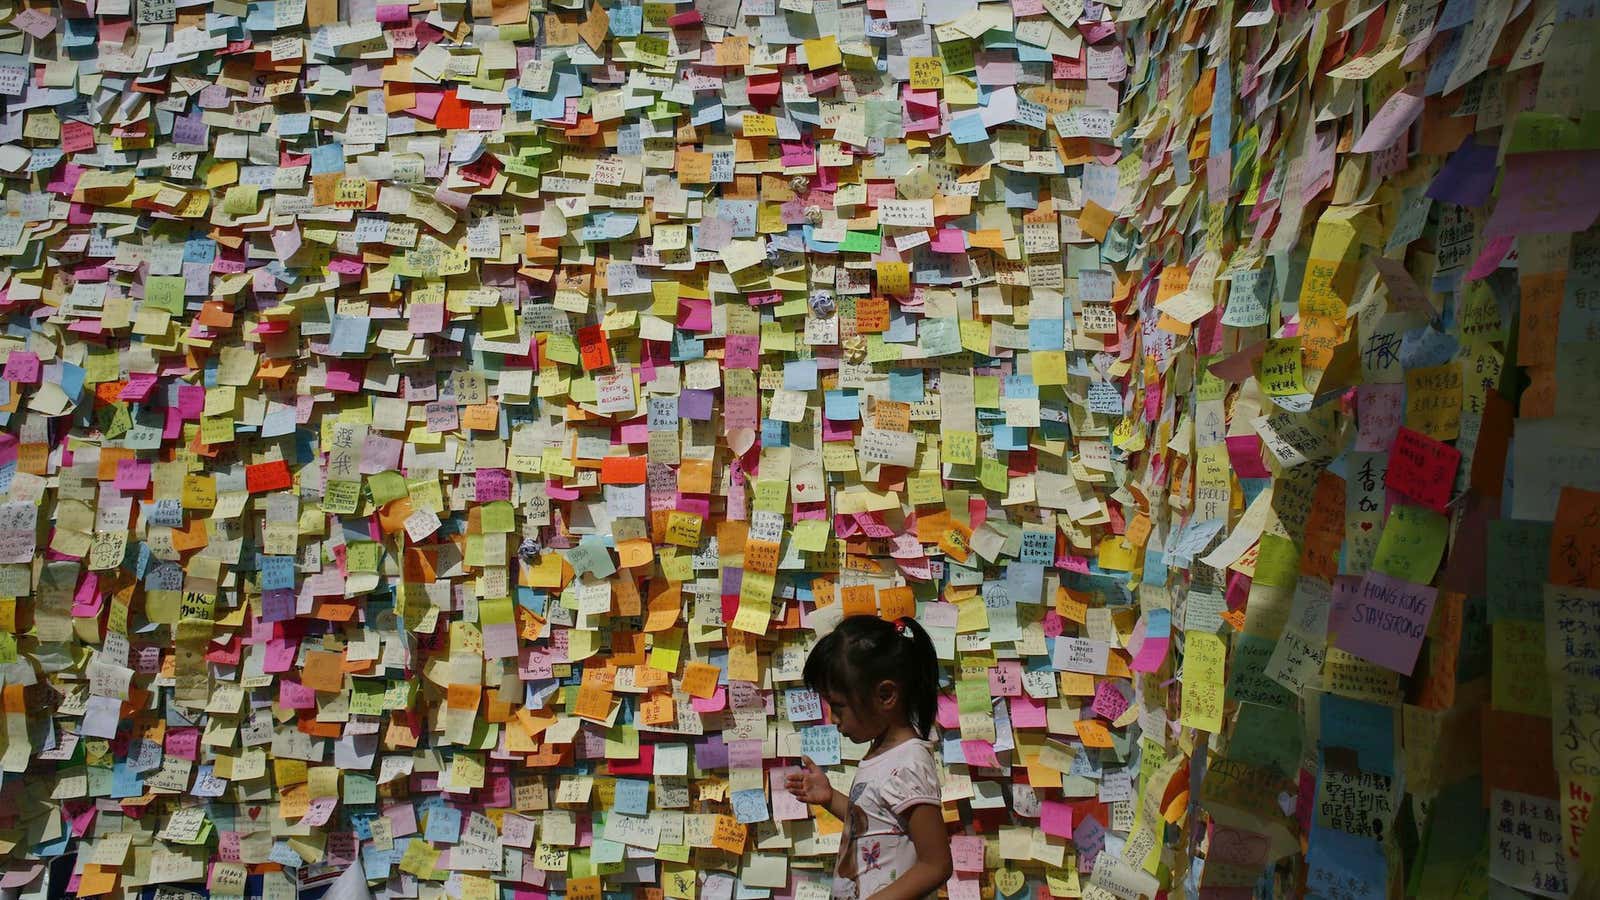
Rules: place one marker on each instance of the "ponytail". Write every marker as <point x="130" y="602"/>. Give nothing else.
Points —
<point x="864" y="651"/>
<point x="921" y="685"/>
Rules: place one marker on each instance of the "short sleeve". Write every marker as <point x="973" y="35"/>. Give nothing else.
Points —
<point x="913" y="782"/>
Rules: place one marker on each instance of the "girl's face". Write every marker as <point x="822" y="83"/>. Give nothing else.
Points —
<point x="864" y="720"/>
<point x="850" y="722"/>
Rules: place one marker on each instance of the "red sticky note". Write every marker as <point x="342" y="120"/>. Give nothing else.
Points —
<point x="623" y="470"/>
<point x="1422" y="468"/>
<point x="268" y="476"/>
<point x="592" y="347"/>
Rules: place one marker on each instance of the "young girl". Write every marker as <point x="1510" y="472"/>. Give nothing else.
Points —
<point x="880" y="680"/>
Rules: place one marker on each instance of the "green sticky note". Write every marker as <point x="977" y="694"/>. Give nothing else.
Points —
<point x="366" y="697"/>
<point x="164" y="292"/>
<point x="561" y="348"/>
<point x="992" y="475"/>
<point x="771" y="494"/>
<point x="499" y="517"/>
<point x="363" y="556"/>
<point x="496" y="612"/>
<point x="811" y="535"/>
<point x="861" y="242"/>
<point x="986" y="392"/>
<point x="342" y="497"/>
<point x="939" y="337"/>
<point x="387" y="486"/>
<point x="1277" y="561"/>
<point x="972" y="696"/>
<point x="1411" y="545"/>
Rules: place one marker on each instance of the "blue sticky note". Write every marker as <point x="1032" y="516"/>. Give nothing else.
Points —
<point x="905" y="386"/>
<point x="444" y="824"/>
<point x="842" y="406"/>
<point x="1155" y="567"/>
<point x="349" y="335"/>
<point x="774" y="433"/>
<point x="326" y="158"/>
<point x="626" y="21"/>
<point x="277" y="573"/>
<point x="1025" y="582"/>
<point x="750" y="806"/>
<point x="1047" y="334"/>
<point x="1013" y="438"/>
<point x="605" y="852"/>
<point x="968" y="128"/>
<point x="821" y="743"/>
<point x="902" y="328"/>
<point x="633" y="797"/>
<point x="800" y="375"/>
<point x="1345" y="865"/>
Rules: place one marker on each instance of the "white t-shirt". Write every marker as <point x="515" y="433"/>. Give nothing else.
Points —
<point x="875" y="849"/>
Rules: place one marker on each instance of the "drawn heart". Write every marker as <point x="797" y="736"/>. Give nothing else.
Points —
<point x="1366" y="526"/>
<point x="1009" y="881"/>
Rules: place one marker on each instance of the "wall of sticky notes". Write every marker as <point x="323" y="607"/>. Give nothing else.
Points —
<point x="435" y="433"/>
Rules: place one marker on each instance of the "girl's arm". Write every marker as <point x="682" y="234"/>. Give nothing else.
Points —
<point x="839" y="805"/>
<point x="932" y="869"/>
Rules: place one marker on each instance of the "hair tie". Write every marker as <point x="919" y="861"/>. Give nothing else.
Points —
<point x="901" y="627"/>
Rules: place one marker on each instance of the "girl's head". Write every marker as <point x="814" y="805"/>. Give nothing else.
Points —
<point x="876" y="674"/>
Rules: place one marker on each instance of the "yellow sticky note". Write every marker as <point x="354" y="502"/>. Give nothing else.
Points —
<point x="822" y="52"/>
<point x="241" y="200"/>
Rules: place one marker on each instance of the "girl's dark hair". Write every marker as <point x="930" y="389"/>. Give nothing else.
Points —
<point x="864" y="651"/>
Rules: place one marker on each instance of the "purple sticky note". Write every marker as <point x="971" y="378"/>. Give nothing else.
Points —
<point x="1386" y="623"/>
<point x="711" y="753"/>
<point x="695" y="404"/>
<point x="1467" y="177"/>
<point x="1545" y="193"/>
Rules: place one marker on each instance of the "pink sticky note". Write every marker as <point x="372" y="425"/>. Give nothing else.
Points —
<point x="1109" y="702"/>
<point x="1380" y="409"/>
<point x="949" y="240"/>
<point x="1494" y="251"/>
<point x="294" y="695"/>
<point x="949" y="713"/>
<point x="980" y="753"/>
<point x="966" y="853"/>
<point x="1026" y="712"/>
<point x="1244" y="451"/>
<point x="183" y="743"/>
<point x="1005" y="679"/>
<point x="132" y="474"/>
<point x="714" y="703"/>
<point x="694" y="315"/>
<point x="742" y="351"/>
<point x="1055" y="817"/>
<point x="1397" y="114"/>
<point x="22" y="367"/>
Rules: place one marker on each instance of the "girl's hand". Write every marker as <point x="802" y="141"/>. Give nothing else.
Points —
<point x="811" y="785"/>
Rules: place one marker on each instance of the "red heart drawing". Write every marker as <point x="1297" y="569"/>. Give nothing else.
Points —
<point x="1366" y="526"/>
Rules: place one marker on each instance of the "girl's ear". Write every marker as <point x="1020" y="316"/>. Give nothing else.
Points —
<point x="888" y="694"/>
